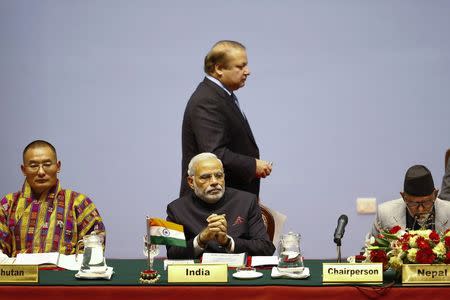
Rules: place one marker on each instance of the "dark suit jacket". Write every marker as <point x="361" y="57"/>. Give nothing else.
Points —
<point x="243" y="215"/>
<point x="212" y="122"/>
<point x="445" y="190"/>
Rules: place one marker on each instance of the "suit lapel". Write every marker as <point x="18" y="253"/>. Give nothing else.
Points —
<point x="229" y="102"/>
<point x="397" y="215"/>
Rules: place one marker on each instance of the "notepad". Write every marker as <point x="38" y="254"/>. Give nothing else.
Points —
<point x="231" y="259"/>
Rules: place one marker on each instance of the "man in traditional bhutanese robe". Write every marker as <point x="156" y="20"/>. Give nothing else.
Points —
<point x="43" y="217"/>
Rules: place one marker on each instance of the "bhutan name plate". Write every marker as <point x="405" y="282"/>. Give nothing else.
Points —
<point x="416" y="274"/>
<point x="19" y="273"/>
<point x="348" y="272"/>
<point x="197" y="273"/>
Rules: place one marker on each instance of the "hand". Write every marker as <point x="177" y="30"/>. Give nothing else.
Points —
<point x="222" y="238"/>
<point x="219" y="222"/>
<point x="216" y="224"/>
<point x="263" y="168"/>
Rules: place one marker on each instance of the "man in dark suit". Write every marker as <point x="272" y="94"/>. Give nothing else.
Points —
<point x="215" y="218"/>
<point x="213" y="121"/>
<point x="445" y="190"/>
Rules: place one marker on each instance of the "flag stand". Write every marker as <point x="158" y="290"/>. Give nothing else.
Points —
<point x="149" y="276"/>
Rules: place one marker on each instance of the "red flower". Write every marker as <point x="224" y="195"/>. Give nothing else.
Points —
<point x="447" y="258"/>
<point x="434" y="236"/>
<point x="378" y="256"/>
<point x="422" y="243"/>
<point x="405" y="238"/>
<point x="395" y="229"/>
<point x="425" y="256"/>
<point x="360" y="258"/>
<point x="405" y="246"/>
<point x="447" y="241"/>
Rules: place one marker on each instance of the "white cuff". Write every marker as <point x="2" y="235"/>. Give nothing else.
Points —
<point x="197" y="248"/>
<point x="231" y="250"/>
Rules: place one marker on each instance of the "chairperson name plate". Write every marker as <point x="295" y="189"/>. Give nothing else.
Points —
<point x="19" y="273"/>
<point x="197" y="273"/>
<point x="348" y="272"/>
<point x="420" y="274"/>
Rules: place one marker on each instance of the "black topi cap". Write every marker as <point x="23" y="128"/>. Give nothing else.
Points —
<point x="418" y="181"/>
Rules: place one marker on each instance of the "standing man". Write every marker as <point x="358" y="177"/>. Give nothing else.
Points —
<point x="213" y="121"/>
<point x="445" y="190"/>
<point x="44" y="217"/>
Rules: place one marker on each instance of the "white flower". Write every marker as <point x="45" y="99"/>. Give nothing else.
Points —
<point x="423" y="233"/>
<point x="395" y="262"/>
<point x="439" y="249"/>
<point x="411" y="256"/>
<point x="401" y="233"/>
<point x="413" y="241"/>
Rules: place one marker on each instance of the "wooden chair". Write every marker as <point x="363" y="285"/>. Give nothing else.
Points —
<point x="269" y="221"/>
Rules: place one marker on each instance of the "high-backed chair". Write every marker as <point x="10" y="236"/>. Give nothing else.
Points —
<point x="269" y="221"/>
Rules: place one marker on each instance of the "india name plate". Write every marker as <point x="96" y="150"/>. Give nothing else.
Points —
<point x="197" y="273"/>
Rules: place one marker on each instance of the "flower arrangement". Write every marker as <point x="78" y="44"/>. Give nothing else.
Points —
<point x="396" y="247"/>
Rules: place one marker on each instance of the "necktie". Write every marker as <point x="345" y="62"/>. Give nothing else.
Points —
<point x="236" y="101"/>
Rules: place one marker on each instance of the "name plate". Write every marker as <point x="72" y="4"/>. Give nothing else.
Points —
<point x="197" y="273"/>
<point x="19" y="273"/>
<point x="413" y="274"/>
<point x="358" y="272"/>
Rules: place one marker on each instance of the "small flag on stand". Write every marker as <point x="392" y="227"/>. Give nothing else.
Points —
<point x="163" y="232"/>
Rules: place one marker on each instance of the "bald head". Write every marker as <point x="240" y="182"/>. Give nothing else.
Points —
<point x="220" y="55"/>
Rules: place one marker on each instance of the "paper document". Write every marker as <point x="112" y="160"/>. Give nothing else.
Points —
<point x="37" y="258"/>
<point x="264" y="261"/>
<point x="5" y="260"/>
<point x="67" y="262"/>
<point x="231" y="259"/>
<point x="169" y="262"/>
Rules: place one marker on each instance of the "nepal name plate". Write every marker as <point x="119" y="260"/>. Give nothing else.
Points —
<point x="420" y="274"/>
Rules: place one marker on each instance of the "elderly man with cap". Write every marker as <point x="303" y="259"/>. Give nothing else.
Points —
<point x="215" y="218"/>
<point x="419" y="207"/>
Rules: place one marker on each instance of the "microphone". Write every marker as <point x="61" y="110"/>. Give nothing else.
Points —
<point x="340" y="229"/>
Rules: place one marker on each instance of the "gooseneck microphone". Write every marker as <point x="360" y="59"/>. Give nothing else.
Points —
<point x="340" y="229"/>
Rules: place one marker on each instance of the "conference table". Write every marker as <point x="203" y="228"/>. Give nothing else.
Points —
<point x="125" y="285"/>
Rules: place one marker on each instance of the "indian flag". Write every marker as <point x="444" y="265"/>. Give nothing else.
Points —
<point x="163" y="232"/>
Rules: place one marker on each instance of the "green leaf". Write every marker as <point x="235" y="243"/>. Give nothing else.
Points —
<point x="382" y="242"/>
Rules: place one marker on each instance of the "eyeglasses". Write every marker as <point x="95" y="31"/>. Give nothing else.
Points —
<point x="34" y="167"/>
<point x="209" y="176"/>
<point x="424" y="204"/>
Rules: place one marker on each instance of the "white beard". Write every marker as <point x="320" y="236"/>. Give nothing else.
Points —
<point x="209" y="198"/>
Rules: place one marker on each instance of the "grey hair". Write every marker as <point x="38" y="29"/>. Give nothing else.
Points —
<point x="198" y="158"/>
